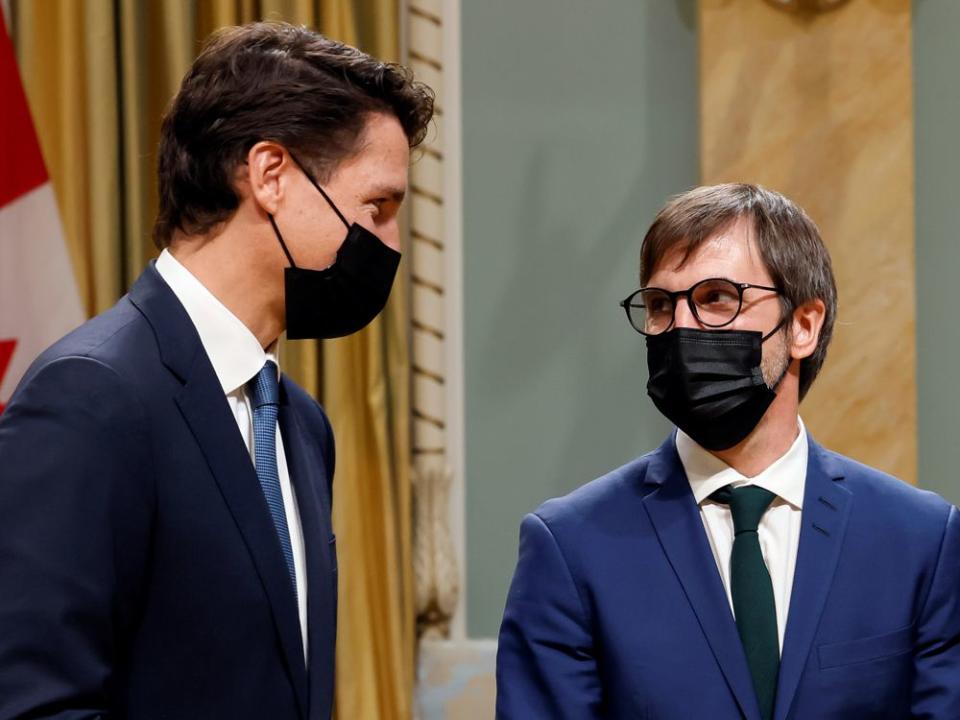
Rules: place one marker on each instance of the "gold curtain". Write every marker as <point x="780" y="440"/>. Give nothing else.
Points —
<point x="98" y="75"/>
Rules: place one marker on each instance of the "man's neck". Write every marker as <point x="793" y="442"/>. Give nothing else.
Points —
<point x="769" y="441"/>
<point x="221" y="264"/>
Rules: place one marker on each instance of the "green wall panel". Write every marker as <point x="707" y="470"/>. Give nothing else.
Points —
<point x="579" y="120"/>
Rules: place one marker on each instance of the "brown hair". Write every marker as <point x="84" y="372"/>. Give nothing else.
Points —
<point x="271" y="81"/>
<point x="789" y="244"/>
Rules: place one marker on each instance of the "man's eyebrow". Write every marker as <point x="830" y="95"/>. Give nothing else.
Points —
<point x="393" y="192"/>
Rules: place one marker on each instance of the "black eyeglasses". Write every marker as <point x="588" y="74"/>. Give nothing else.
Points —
<point x="714" y="302"/>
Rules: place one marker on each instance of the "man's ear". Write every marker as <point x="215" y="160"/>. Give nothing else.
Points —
<point x="805" y="325"/>
<point x="265" y="174"/>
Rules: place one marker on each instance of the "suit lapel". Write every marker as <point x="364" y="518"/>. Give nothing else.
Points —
<point x="309" y="477"/>
<point x="826" y="507"/>
<point x="203" y="406"/>
<point x="676" y="519"/>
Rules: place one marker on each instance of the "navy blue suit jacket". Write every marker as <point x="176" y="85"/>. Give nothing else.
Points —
<point x="140" y="571"/>
<point x="617" y="609"/>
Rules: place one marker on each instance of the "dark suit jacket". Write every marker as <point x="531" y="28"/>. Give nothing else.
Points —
<point x="140" y="571"/>
<point x="617" y="609"/>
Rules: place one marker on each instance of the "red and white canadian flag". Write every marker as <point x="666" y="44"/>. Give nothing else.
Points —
<point x="39" y="301"/>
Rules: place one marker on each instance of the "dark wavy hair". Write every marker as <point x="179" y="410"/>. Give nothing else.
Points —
<point x="788" y="240"/>
<point x="271" y="81"/>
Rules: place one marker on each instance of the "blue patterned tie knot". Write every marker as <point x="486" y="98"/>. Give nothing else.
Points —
<point x="265" y="392"/>
<point x="265" y="388"/>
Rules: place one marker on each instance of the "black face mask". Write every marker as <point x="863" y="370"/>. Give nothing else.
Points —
<point x="709" y="384"/>
<point x="344" y="297"/>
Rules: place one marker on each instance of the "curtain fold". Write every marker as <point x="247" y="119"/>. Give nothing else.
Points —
<point x="98" y="75"/>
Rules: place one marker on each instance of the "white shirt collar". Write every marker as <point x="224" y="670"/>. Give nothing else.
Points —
<point x="234" y="351"/>
<point x="786" y="477"/>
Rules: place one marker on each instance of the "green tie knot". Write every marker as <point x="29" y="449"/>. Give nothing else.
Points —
<point x="747" y="505"/>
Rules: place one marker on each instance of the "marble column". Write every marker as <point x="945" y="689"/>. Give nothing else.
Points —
<point x="817" y="103"/>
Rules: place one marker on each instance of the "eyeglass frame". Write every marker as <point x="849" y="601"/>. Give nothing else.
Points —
<point x="688" y="293"/>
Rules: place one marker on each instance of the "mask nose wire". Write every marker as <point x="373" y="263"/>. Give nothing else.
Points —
<point x="319" y="189"/>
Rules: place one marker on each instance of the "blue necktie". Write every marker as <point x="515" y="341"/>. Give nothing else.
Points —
<point x="266" y="399"/>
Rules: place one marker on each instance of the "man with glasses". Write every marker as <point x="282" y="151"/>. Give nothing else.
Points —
<point x="740" y="570"/>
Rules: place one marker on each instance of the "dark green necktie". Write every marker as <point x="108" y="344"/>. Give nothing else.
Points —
<point x="752" y="590"/>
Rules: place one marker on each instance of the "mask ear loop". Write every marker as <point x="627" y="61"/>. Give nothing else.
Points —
<point x="774" y="331"/>
<point x="786" y="367"/>
<point x="276" y="232"/>
<point x="319" y="189"/>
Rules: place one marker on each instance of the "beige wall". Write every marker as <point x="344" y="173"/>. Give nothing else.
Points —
<point x="819" y="107"/>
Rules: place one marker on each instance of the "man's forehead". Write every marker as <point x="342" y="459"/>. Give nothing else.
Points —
<point x="729" y="252"/>
<point x="380" y="179"/>
<point x="384" y="179"/>
<point x="382" y="155"/>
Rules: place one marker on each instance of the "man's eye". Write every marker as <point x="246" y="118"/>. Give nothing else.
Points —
<point x="716" y="294"/>
<point x="715" y="297"/>
<point x="657" y="306"/>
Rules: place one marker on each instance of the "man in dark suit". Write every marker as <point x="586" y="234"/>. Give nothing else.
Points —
<point x="165" y="535"/>
<point x="740" y="570"/>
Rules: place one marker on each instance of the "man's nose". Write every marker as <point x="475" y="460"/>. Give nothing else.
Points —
<point x="682" y="316"/>
<point x="389" y="234"/>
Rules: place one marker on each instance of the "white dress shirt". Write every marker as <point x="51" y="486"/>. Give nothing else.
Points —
<point x="237" y="357"/>
<point x="779" y="528"/>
